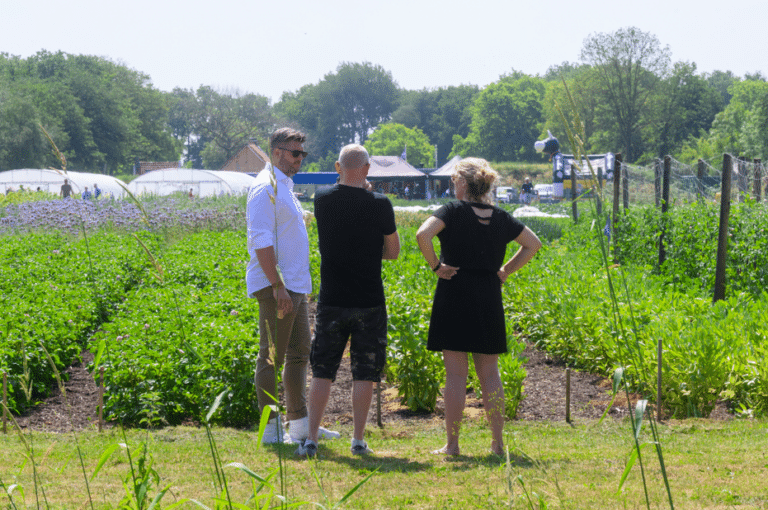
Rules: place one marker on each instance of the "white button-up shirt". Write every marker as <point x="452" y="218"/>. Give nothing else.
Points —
<point x="291" y="240"/>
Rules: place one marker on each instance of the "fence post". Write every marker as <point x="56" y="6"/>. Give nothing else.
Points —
<point x="574" y="207"/>
<point x="658" y="383"/>
<point x="758" y="186"/>
<point x="5" y="402"/>
<point x="664" y="208"/>
<point x="700" y="169"/>
<point x="722" y="239"/>
<point x="101" y="398"/>
<point x="378" y="405"/>
<point x="599" y="191"/>
<point x="657" y="181"/>
<point x="625" y="186"/>
<point x="567" y="395"/>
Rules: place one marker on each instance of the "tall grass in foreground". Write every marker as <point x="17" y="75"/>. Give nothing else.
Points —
<point x="625" y="328"/>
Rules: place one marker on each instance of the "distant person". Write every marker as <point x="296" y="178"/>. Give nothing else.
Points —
<point x="356" y="230"/>
<point x="526" y="193"/>
<point x="66" y="189"/>
<point x="87" y="194"/>
<point x="191" y="195"/>
<point x="96" y="191"/>
<point x="467" y="311"/>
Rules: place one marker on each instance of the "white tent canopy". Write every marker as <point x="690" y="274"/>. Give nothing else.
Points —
<point x="51" y="181"/>
<point x="447" y="169"/>
<point x="203" y="183"/>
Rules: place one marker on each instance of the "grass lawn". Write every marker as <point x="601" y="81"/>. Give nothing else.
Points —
<point x="710" y="464"/>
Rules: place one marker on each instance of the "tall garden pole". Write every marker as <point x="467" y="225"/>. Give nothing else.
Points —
<point x="599" y="191"/>
<point x="616" y="189"/>
<point x="700" y="169"/>
<point x="722" y="239"/>
<point x="5" y="402"/>
<point x="758" y="180"/>
<point x="664" y="207"/>
<point x="574" y="196"/>
<point x="658" y="380"/>
<point x="657" y="181"/>
<point x="567" y="395"/>
<point x="625" y="185"/>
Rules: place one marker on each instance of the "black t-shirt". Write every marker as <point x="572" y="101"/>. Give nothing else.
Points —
<point x="468" y="244"/>
<point x="351" y="225"/>
<point x="527" y="187"/>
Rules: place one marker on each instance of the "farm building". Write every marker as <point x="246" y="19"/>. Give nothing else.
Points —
<point x="251" y="159"/>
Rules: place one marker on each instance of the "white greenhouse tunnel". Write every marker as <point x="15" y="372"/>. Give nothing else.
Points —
<point x="51" y="180"/>
<point x="203" y="183"/>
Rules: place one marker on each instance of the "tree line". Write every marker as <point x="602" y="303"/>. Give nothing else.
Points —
<point x="626" y="90"/>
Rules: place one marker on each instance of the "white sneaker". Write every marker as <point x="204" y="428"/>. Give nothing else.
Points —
<point x="324" y="433"/>
<point x="274" y="433"/>
<point x="306" y="449"/>
<point x="360" y="448"/>
<point x="298" y="430"/>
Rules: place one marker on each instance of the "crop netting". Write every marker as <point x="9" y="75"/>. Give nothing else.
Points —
<point x="688" y="183"/>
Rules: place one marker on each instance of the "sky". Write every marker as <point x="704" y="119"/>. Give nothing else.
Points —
<point x="269" y="47"/>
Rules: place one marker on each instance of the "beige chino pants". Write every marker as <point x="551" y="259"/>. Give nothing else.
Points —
<point x="291" y="339"/>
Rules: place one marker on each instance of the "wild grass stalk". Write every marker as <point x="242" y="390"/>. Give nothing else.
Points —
<point x="633" y="353"/>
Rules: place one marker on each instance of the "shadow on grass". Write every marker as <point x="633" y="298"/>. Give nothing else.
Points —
<point x="386" y="463"/>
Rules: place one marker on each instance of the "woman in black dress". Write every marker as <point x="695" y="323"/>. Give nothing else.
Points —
<point x="467" y="312"/>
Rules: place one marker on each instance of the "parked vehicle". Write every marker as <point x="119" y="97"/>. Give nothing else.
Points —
<point x="506" y="194"/>
<point x="544" y="193"/>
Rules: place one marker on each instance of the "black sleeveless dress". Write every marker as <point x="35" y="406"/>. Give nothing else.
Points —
<point x="467" y="311"/>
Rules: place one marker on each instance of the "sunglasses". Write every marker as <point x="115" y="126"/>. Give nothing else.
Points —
<point x="295" y="153"/>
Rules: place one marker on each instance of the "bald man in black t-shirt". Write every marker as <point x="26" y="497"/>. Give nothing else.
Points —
<point x="356" y="230"/>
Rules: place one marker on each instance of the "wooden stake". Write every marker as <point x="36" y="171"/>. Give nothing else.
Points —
<point x="101" y="398"/>
<point x="568" y="395"/>
<point x="658" y="384"/>
<point x="5" y="402"/>
<point x="378" y="405"/>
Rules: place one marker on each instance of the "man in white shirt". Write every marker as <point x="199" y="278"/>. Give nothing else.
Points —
<point x="277" y="238"/>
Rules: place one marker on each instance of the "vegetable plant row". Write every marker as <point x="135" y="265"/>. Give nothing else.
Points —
<point x="710" y="351"/>
<point x="171" y="325"/>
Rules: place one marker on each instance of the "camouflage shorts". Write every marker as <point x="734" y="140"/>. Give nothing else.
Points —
<point x="367" y="328"/>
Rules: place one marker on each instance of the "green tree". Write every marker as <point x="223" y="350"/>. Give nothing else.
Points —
<point x="229" y="121"/>
<point x="630" y="65"/>
<point x="685" y="106"/>
<point x="441" y="113"/>
<point x="742" y="128"/>
<point x="580" y="84"/>
<point x="100" y="114"/>
<point x="506" y="118"/>
<point x="391" y="139"/>
<point x="342" y="108"/>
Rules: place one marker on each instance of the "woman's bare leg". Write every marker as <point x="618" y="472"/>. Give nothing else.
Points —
<point x="487" y="368"/>
<point x="456" y="368"/>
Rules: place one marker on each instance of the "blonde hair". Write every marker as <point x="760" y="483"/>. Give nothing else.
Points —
<point x="479" y="176"/>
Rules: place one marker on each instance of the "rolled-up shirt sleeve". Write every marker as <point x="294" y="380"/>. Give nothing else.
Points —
<point x="261" y="219"/>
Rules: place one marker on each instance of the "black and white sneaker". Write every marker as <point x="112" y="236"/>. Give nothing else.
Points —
<point x="360" y="448"/>
<point x="306" y="449"/>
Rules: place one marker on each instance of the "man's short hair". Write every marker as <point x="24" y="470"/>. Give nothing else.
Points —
<point x="286" y="135"/>
<point x="353" y="156"/>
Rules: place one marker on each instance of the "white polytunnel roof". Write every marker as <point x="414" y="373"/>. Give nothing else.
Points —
<point x="51" y="181"/>
<point x="203" y="183"/>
